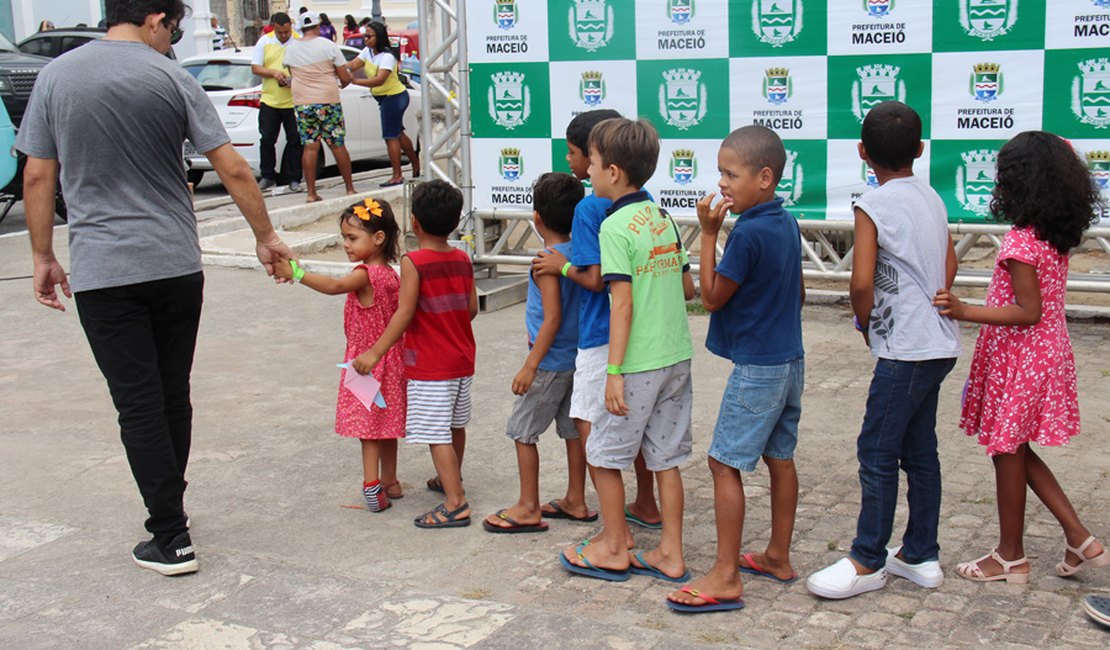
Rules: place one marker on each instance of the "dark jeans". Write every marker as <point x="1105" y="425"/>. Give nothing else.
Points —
<point x="270" y="122"/>
<point x="899" y="429"/>
<point x="143" y="337"/>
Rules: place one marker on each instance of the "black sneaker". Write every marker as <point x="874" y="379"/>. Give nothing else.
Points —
<point x="175" y="558"/>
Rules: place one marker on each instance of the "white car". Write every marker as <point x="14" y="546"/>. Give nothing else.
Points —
<point x="236" y="92"/>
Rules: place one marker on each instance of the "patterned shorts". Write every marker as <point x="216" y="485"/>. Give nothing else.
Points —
<point x="321" y="122"/>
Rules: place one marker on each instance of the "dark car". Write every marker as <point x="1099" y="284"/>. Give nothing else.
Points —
<point x="56" y="42"/>
<point x="18" y="72"/>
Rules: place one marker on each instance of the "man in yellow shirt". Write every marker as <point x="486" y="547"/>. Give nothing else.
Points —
<point x="276" y="110"/>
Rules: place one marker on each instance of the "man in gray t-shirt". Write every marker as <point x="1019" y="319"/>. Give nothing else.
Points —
<point x="112" y="117"/>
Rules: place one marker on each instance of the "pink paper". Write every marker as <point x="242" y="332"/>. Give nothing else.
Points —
<point x="365" y="387"/>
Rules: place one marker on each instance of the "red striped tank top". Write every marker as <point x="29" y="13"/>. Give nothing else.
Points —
<point x="439" y="343"/>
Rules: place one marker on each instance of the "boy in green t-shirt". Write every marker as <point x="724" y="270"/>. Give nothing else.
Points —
<point x="648" y="392"/>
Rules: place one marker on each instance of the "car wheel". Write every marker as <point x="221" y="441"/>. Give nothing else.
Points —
<point x="194" y="176"/>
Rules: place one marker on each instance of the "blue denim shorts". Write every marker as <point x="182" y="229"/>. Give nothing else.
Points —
<point x="392" y="108"/>
<point x="759" y="414"/>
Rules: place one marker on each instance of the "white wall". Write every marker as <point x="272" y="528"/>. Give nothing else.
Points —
<point x="27" y="14"/>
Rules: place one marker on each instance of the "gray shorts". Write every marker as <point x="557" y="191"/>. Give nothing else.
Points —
<point x="547" y="399"/>
<point x="660" y="403"/>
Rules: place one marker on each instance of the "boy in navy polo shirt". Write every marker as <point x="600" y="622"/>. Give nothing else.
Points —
<point x="755" y="296"/>
<point x="543" y="384"/>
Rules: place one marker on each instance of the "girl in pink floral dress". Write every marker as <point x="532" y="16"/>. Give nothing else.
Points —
<point x="370" y="237"/>
<point x="1022" y="384"/>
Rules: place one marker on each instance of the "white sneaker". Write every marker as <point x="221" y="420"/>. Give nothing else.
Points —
<point x="926" y="574"/>
<point x="295" y="186"/>
<point x="841" y="581"/>
<point x="266" y="183"/>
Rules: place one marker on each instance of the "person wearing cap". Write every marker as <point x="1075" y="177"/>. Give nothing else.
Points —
<point x="275" y="111"/>
<point x="319" y="70"/>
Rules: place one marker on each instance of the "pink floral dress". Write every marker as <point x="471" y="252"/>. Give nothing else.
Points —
<point x="1022" y="384"/>
<point x="363" y="326"/>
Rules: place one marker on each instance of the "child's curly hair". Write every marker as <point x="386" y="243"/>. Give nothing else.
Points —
<point x="375" y="216"/>
<point x="1043" y="183"/>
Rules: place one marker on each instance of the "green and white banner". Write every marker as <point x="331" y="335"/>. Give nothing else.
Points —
<point x="978" y="72"/>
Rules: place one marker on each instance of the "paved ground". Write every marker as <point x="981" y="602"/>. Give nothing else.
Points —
<point x="285" y="562"/>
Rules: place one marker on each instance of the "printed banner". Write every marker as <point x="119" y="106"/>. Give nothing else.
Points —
<point x="978" y="72"/>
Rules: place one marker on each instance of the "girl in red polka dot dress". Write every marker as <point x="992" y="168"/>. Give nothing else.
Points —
<point x="371" y="238"/>
<point x="1022" y="386"/>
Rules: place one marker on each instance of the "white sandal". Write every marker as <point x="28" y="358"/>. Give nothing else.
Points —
<point x="1065" y="570"/>
<point x="972" y="571"/>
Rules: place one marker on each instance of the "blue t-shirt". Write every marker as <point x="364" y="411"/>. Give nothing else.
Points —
<point x="593" y="319"/>
<point x="561" y="355"/>
<point x="762" y="323"/>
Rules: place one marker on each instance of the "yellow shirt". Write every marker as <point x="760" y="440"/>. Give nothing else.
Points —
<point x="374" y="62"/>
<point x="269" y="53"/>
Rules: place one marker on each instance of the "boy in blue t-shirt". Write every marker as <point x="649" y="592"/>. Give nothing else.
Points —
<point x="755" y="297"/>
<point x="584" y="267"/>
<point x="544" y="383"/>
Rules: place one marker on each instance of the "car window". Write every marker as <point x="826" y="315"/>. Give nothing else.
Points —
<point x="39" y="46"/>
<point x="223" y="75"/>
<point x="71" y="42"/>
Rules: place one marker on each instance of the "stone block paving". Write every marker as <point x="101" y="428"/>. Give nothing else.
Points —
<point x="289" y="561"/>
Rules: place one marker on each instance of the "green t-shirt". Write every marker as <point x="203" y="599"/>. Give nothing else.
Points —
<point x="640" y="244"/>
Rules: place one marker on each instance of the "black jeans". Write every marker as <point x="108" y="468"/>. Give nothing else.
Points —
<point x="143" y="337"/>
<point x="270" y="122"/>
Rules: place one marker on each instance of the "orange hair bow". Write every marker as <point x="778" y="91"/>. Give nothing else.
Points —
<point x="368" y="207"/>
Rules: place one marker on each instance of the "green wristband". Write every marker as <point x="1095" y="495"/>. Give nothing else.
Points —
<point x="566" y="269"/>
<point x="613" y="369"/>
<point x="298" y="272"/>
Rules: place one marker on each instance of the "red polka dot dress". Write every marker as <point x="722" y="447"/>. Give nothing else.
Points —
<point x="363" y="326"/>
<point x="1022" y="385"/>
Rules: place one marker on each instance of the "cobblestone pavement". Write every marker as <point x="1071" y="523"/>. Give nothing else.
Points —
<point x="286" y="561"/>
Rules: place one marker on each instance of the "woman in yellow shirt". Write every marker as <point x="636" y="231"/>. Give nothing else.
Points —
<point x="381" y="77"/>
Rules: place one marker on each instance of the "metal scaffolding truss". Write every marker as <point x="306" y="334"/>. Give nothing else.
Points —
<point x="445" y="98"/>
<point x="508" y="237"/>
<point x="826" y="246"/>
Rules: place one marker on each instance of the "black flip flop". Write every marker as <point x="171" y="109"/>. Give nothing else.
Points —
<point x="514" y="525"/>
<point x="563" y="514"/>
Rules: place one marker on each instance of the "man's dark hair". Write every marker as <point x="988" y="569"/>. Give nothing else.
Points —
<point x="280" y="18"/>
<point x="554" y="196"/>
<point x="134" y="12"/>
<point x="758" y="147"/>
<point x="891" y="135"/>
<point x="578" y="131"/>
<point x="303" y="10"/>
<point x="631" y="145"/>
<point x="437" y="205"/>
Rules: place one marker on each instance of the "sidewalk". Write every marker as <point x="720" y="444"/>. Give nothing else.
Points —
<point x="287" y="562"/>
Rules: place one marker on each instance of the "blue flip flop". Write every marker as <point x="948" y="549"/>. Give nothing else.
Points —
<point x="756" y="570"/>
<point x="633" y="519"/>
<point x="591" y="571"/>
<point x="647" y="570"/>
<point x="711" y="603"/>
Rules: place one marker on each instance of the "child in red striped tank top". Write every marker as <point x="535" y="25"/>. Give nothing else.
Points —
<point x="438" y="300"/>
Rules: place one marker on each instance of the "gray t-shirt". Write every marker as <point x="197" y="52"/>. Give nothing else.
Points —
<point x="913" y="250"/>
<point x="115" y="114"/>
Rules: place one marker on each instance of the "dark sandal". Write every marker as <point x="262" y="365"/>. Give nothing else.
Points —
<point x="441" y="518"/>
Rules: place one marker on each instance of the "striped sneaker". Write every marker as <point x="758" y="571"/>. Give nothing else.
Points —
<point x="376" y="499"/>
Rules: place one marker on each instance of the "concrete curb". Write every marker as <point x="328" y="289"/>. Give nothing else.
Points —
<point x="298" y="215"/>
